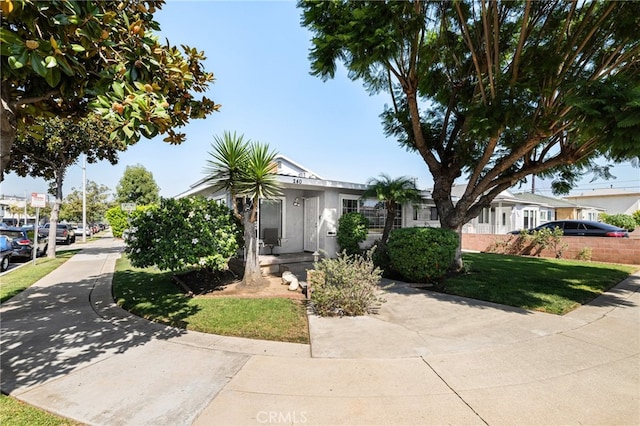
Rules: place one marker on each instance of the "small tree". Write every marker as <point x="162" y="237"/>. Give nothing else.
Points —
<point x="393" y="192"/>
<point x="246" y="170"/>
<point x="137" y="186"/>
<point x="96" y="203"/>
<point x="178" y="234"/>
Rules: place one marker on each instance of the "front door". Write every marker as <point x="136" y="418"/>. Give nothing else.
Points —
<point x="311" y="224"/>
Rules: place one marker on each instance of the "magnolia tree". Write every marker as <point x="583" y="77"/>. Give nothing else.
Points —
<point x="66" y="58"/>
<point x="178" y="234"/>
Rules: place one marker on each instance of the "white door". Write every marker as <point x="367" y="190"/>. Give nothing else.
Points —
<point x="311" y="224"/>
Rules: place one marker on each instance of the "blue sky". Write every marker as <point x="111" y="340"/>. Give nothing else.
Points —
<point x="259" y="54"/>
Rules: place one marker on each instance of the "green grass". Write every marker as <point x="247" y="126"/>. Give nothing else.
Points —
<point x="19" y="279"/>
<point x="151" y="294"/>
<point x="549" y="285"/>
<point x="16" y="413"/>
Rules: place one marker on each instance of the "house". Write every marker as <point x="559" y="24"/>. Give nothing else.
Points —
<point x="524" y="210"/>
<point x="305" y="217"/>
<point x="611" y="200"/>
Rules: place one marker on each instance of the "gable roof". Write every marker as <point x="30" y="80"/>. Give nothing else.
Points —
<point x="288" y="167"/>
<point x="542" y="199"/>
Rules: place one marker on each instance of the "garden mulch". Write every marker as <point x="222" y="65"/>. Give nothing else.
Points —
<point x="227" y="284"/>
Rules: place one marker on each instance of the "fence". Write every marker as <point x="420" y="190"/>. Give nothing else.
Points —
<point x="603" y="249"/>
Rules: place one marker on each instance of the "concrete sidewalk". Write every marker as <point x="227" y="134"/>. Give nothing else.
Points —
<point x="426" y="358"/>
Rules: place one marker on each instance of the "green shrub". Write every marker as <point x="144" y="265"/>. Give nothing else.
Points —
<point x="118" y="220"/>
<point x="352" y="230"/>
<point x="347" y="285"/>
<point x="546" y="238"/>
<point x="636" y="217"/>
<point x="585" y="254"/>
<point x="422" y="254"/>
<point x="178" y="234"/>
<point x="620" y="220"/>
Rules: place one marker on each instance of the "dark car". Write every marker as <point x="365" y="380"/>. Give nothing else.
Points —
<point x="22" y="241"/>
<point x="6" y="251"/>
<point x="582" y="228"/>
<point x="64" y="233"/>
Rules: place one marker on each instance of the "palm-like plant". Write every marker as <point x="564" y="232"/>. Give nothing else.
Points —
<point x="246" y="170"/>
<point x="392" y="192"/>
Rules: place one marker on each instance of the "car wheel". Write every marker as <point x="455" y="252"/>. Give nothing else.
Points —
<point x="73" y="240"/>
<point x="67" y="241"/>
<point x="4" y="264"/>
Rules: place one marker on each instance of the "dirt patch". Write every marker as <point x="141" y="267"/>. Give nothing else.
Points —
<point x="205" y="283"/>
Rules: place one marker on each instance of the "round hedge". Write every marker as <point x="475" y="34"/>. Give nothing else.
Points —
<point x="422" y="254"/>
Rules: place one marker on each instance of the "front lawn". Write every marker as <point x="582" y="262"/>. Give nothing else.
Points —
<point x="549" y="285"/>
<point x="15" y="281"/>
<point x="16" y="413"/>
<point x="151" y="294"/>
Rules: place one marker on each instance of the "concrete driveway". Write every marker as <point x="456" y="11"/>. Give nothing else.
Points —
<point x="426" y="358"/>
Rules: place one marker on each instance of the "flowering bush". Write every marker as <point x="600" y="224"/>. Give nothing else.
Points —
<point x="177" y="234"/>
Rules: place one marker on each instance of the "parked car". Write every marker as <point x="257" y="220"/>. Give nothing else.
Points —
<point x="64" y="233"/>
<point x="79" y="230"/>
<point x="22" y="241"/>
<point x="582" y="228"/>
<point x="6" y="251"/>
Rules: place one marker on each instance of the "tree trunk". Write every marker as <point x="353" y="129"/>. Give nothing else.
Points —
<point x="53" y="220"/>
<point x="252" y="278"/>
<point x="388" y="223"/>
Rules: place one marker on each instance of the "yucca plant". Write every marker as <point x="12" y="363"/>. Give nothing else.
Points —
<point x="246" y="170"/>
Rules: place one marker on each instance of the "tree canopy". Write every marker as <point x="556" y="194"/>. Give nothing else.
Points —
<point x="97" y="203"/>
<point x="65" y="58"/>
<point x="494" y="91"/>
<point x="137" y="185"/>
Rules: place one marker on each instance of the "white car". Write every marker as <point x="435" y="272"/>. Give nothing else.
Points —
<point x="80" y="230"/>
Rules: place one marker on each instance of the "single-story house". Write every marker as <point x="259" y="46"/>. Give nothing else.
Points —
<point x="524" y="210"/>
<point x="305" y="217"/>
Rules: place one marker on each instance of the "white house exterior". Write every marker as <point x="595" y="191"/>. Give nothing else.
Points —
<point x="306" y="214"/>
<point x="612" y="201"/>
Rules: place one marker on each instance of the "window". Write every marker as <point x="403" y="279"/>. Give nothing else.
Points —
<point x="425" y="212"/>
<point x="485" y="215"/>
<point x="373" y="210"/>
<point x="529" y="219"/>
<point x="271" y="216"/>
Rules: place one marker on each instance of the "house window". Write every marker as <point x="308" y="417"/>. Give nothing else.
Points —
<point x="485" y="215"/>
<point x="373" y="210"/>
<point x="425" y="213"/>
<point x="271" y="215"/>
<point x="529" y="219"/>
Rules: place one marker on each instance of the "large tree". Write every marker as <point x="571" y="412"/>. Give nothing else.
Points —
<point x="96" y="202"/>
<point x="137" y="185"/>
<point x="62" y="144"/>
<point x="393" y="193"/>
<point x="246" y="170"/>
<point x="495" y="91"/>
<point x="65" y="58"/>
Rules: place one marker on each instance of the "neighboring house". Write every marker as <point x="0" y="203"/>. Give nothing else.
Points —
<point x="524" y="210"/>
<point x="611" y="200"/>
<point x="305" y="217"/>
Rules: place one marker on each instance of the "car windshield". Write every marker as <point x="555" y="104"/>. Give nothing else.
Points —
<point x="12" y="234"/>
